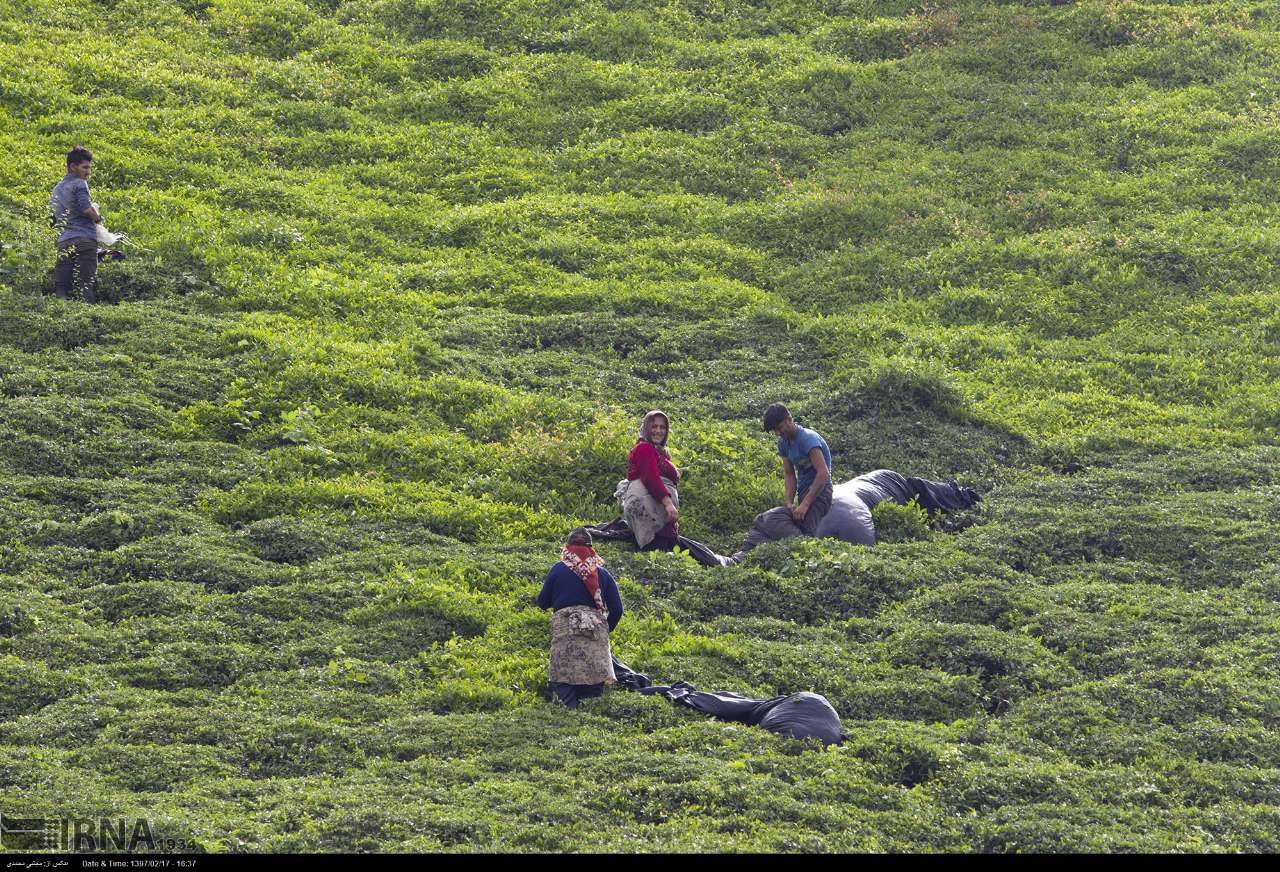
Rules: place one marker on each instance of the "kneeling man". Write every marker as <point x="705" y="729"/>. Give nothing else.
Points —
<point x="806" y="470"/>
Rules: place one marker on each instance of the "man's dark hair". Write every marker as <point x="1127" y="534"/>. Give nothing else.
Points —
<point x="79" y="154"/>
<point x="775" y="415"/>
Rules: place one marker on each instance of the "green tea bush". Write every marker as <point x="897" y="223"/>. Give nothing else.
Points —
<point x="285" y="746"/>
<point x="175" y="665"/>
<point x="896" y="523"/>
<point x="65" y="723"/>
<point x="29" y="685"/>
<point x="25" y="255"/>
<point x="426" y="610"/>
<point x="119" y="602"/>
<point x="206" y="560"/>
<point x="449" y="59"/>
<point x="1001" y="603"/>
<point x="15" y="620"/>
<point x="154" y="768"/>
<point x="467" y="696"/>
<point x="1009" y="667"/>
<point x="876" y="40"/>
<point x="279" y="31"/>
<point x="905" y="754"/>
<point x="1250" y="153"/>
<point x="883" y="387"/>
<point x="296" y="540"/>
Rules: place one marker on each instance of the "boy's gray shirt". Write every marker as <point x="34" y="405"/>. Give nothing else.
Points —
<point x="68" y="203"/>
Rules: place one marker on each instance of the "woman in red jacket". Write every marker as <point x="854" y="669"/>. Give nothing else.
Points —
<point x="648" y="497"/>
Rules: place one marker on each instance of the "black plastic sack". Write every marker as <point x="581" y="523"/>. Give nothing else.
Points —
<point x="849" y="518"/>
<point x="619" y="531"/>
<point x="942" y="496"/>
<point x="799" y="715"/>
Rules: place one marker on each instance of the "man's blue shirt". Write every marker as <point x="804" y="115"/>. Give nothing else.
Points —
<point x="68" y="203"/>
<point x="797" y="451"/>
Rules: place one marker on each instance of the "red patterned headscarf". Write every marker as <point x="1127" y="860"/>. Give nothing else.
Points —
<point x="585" y="563"/>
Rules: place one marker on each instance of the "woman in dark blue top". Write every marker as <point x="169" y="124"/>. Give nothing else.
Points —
<point x="563" y="588"/>
<point x="587" y="606"/>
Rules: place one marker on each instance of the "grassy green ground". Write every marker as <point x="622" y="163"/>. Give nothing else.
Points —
<point x="270" y="526"/>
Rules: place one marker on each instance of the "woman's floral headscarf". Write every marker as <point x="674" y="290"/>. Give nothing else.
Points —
<point x="579" y="556"/>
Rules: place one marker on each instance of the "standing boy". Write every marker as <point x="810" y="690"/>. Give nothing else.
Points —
<point x="73" y="212"/>
<point x="806" y="470"/>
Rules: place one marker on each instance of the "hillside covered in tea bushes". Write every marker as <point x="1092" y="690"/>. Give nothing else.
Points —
<point x="410" y="272"/>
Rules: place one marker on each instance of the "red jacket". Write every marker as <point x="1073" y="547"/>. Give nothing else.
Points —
<point x="648" y="465"/>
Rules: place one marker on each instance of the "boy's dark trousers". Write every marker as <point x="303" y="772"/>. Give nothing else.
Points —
<point x="82" y="255"/>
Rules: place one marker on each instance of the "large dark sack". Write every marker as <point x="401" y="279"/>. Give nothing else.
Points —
<point x="619" y="531"/>
<point x="801" y="715"/>
<point x="798" y="715"/>
<point x="849" y="518"/>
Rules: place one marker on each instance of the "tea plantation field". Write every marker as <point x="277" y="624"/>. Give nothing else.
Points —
<point x="271" y="523"/>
